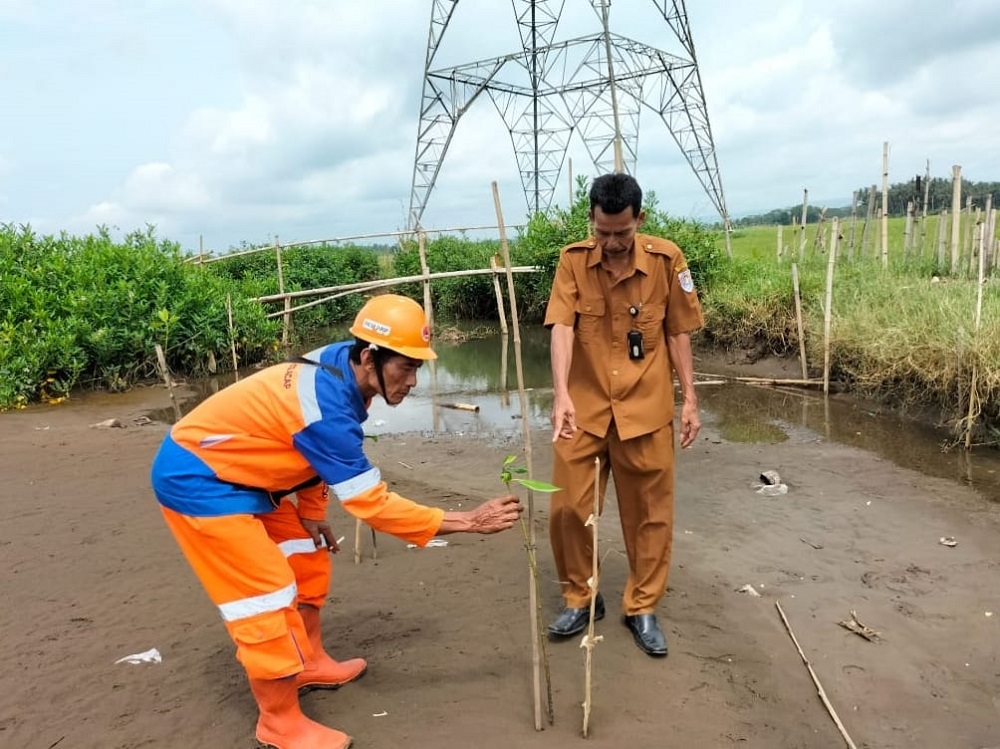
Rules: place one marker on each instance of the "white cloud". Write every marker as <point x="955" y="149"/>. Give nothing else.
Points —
<point x="300" y="117"/>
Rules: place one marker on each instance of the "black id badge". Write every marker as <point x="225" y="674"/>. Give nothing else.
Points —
<point x="635" y="349"/>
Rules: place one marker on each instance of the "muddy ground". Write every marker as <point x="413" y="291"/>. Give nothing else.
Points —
<point x="90" y="575"/>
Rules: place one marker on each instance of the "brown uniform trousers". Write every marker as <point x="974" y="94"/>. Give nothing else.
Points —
<point x="624" y="410"/>
<point x="643" y="468"/>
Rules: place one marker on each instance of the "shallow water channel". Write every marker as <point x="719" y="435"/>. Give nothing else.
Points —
<point x="479" y="372"/>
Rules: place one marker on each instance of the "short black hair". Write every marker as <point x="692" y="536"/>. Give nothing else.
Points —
<point x="380" y="353"/>
<point x="613" y="193"/>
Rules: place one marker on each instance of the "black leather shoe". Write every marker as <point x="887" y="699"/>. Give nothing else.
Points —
<point x="647" y="633"/>
<point x="573" y="621"/>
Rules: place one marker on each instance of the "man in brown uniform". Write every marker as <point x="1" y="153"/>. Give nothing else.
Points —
<point x="621" y="312"/>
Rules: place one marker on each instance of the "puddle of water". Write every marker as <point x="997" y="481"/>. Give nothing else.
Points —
<point x="481" y="373"/>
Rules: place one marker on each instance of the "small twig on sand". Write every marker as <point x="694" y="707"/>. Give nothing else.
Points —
<point x="862" y="630"/>
<point x="819" y="687"/>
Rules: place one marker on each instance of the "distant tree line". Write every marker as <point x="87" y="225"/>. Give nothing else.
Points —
<point x="900" y="193"/>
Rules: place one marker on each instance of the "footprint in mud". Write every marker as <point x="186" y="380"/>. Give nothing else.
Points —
<point x="911" y="581"/>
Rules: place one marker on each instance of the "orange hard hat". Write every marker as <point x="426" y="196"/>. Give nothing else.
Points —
<point x="396" y="323"/>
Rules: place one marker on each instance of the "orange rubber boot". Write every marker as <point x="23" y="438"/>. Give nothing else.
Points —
<point x="322" y="671"/>
<point x="283" y="726"/>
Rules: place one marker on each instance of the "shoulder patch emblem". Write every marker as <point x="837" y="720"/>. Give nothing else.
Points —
<point x="686" y="281"/>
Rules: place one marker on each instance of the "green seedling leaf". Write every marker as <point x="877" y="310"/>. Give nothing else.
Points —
<point x="538" y="486"/>
<point x="509" y="460"/>
<point x="505" y="477"/>
<point x="520" y="469"/>
<point x="372" y="437"/>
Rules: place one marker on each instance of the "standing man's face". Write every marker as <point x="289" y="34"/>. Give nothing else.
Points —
<point x="616" y="231"/>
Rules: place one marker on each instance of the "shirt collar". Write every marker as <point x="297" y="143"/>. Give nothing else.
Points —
<point x="595" y="254"/>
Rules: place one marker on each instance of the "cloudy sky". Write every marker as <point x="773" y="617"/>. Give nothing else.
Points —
<point x="237" y="120"/>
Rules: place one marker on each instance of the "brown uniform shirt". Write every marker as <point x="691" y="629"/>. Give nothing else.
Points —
<point x="603" y="382"/>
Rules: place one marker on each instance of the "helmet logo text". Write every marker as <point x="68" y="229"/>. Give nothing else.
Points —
<point x="376" y="327"/>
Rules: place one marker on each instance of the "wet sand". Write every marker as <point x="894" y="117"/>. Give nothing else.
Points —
<point x="92" y="575"/>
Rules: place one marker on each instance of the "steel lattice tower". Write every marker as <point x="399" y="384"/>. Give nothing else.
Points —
<point x="548" y="90"/>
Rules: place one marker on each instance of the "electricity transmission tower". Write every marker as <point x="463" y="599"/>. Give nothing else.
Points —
<point x="593" y="85"/>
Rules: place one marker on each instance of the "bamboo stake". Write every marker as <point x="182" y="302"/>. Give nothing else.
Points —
<point x="869" y="219"/>
<point x="569" y="205"/>
<point x="885" y="204"/>
<point x="616" y="120"/>
<point x="425" y="269"/>
<point x="908" y="229"/>
<point x="967" y="230"/>
<point x="854" y="223"/>
<point x="818" y="239"/>
<point x="827" y="313"/>
<point x="780" y="247"/>
<point x="923" y="220"/>
<point x="357" y="541"/>
<point x="496" y="290"/>
<point x="942" y="238"/>
<point x="956" y="214"/>
<point x="802" y="224"/>
<point x="819" y="687"/>
<point x="201" y="250"/>
<point x="165" y="372"/>
<point x="991" y="228"/>
<point x="537" y="644"/>
<point x="589" y="641"/>
<point x="798" y="321"/>
<point x="973" y="392"/>
<point x="232" y="336"/>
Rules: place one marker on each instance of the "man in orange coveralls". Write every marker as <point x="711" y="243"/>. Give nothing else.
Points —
<point x="224" y="477"/>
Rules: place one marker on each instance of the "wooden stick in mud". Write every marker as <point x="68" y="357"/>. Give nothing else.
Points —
<point x="780" y="248"/>
<point x="162" y="360"/>
<point x="232" y="337"/>
<point x="869" y="218"/>
<point x="537" y="644"/>
<point x="828" y="311"/>
<point x="462" y="406"/>
<point x="798" y="321"/>
<point x="819" y="687"/>
<point x="357" y="541"/>
<point x="942" y="237"/>
<point x="590" y="640"/>
<point x="973" y="392"/>
<point x="854" y="223"/>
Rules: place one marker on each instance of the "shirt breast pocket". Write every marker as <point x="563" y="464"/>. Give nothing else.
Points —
<point x="589" y="319"/>
<point x="650" y="323"/>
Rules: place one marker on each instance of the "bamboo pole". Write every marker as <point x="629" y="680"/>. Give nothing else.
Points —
<point x="499" y="294"/>
<point x="232" y="336"/>
<point x="286" y="318"/>
<point x="780" y="246"/>
<point x="827" y="314"/>
<point x="537" y="644"/>
<point x="908" y="229"/>
<point x="802" y="224"/>
<point x="425" y="269"/>
<point x="590" y="640"/>
<point x="819" y="687"/>
<point x="201" y="250"/>
<point x="798" y="321"/>
<point x="369" y="285"/>
<point x="956" y="214"/>
<point x="165" y="372"/>
<point x="854" y="222"/>
<point x="818" y="238"/>
<point x="869" y="219"/>
<point x="570" y="204"/>
<point x="923" y="219"/>
<point x="991" y="229"/>
<point x="976" y="246"/>
<point x="967" y="228"/>
<point x="616" y="120"/>
<point x="349" y="238"/>
<point x="885" y="204"/>
<point x="973" y="391"/>
<point x="942" y="238"/>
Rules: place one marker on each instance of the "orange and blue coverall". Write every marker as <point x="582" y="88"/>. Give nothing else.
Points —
<point x="224" y="477"/>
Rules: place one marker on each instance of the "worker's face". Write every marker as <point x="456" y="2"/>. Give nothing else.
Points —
<point x="615" y="232"/>
<point x="400" y="375"/>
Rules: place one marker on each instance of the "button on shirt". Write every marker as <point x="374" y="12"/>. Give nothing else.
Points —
<point x="604" y="382"/>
